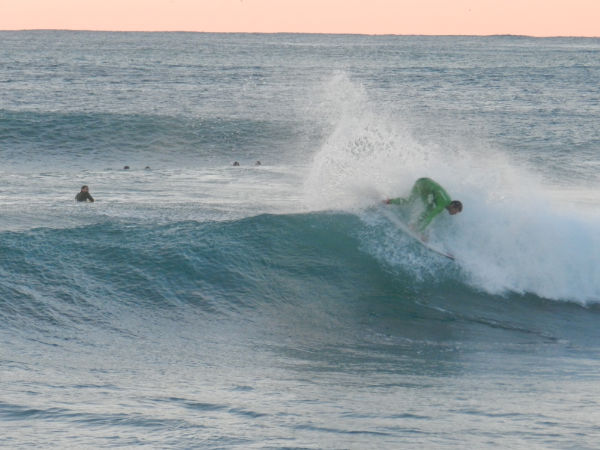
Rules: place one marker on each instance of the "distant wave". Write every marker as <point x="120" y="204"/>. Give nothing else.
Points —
<point x="106" y="136"/>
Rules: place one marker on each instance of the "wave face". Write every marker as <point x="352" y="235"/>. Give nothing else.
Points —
<point x="276" y="305"/>
<point x="218" y="268"/>
<point x="221" y="267"/>
<point x="302" y="295"/>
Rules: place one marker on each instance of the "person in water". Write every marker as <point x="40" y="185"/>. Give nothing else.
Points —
<point x="432" y="197"/>
<point x="84" y="195"/>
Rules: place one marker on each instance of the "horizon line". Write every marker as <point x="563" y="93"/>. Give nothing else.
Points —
<point x="301" y="32"/>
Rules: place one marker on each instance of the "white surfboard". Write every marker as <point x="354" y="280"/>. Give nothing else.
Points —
<point x="400" y="224"/>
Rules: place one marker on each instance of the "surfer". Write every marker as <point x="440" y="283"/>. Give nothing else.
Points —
<point x="432" y="197"/>
<point x="84" y="195"/>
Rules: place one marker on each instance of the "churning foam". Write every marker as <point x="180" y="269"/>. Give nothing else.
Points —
<point x="513" y="235"/>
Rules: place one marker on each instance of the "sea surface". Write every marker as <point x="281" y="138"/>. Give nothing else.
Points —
<point x="197" y="304"/>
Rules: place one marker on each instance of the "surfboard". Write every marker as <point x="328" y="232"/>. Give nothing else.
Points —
<point x="406" y="229"/>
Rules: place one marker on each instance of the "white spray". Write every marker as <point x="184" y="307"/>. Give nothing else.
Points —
<point x="513" y="235"/>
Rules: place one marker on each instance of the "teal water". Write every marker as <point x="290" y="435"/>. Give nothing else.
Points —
<point x="200" y="305"/>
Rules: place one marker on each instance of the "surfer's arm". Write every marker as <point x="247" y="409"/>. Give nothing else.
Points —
<point x="396" y="201"/>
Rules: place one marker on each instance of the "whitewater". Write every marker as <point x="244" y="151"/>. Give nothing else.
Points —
<point x="198" y="304"/>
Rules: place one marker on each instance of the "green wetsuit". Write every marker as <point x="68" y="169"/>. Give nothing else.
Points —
<point x="432" y="195"/>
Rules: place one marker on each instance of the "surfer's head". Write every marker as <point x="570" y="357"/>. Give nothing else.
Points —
<point x="454" y="207"/>
<point x="84" y="188"/>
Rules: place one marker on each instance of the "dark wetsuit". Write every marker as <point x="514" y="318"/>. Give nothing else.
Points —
<point x="84" y="196"/>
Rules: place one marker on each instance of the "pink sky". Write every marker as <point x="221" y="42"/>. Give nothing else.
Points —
<point x="528" y="17"/>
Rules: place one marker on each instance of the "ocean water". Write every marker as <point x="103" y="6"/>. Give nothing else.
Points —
<point x="200" y="305"/>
